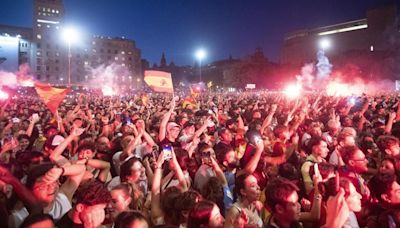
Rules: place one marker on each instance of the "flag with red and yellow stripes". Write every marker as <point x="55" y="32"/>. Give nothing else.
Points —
<point x="51" y="96"/>
<point x="159" y="81"/>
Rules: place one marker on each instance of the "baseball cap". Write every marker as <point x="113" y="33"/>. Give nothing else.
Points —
<point x="171" y="125"/>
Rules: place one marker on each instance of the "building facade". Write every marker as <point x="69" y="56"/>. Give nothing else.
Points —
<point x="47" y="52"/>
<point x="369" y="34"/>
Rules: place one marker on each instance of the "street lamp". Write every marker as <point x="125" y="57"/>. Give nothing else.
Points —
<point x="324" y="44"/>
<point x="70" y="35"/>
<point x="200" y="55"/>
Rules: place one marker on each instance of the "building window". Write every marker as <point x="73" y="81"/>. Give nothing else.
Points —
<point x="93" y="42"/>
<point x="47" y="53"/>
<point x="38" y="53"/>
<point x="39" y="25"/>
<point x="57" y="54"/>
<point x="47" y="68"/>
<point x="47" y="45"/>
<point x="38" y="68"/>
<point x="116" y="52"/>
<point x="39" y="61"/>
<point x="122" y="52"/>
<point x="101" y="50"/>
<point x="57" y="11"/>
<point x="39" y="36"/>
<point x="130" y="58"/>
<point x="109" y="57"/>
<point x="48" y="26"/>
<point x="57" y="61"/>
<point x="39" y="45"/>
<point x="109" y="51"/>
<point x="116" y="58"/>
<point x="56" y="68"/>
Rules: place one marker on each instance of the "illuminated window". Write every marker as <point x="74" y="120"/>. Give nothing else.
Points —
<point x="44" y="10"/>
<point x="48" y="10"/>
<point x="47" y="68"/>
<point x="38" y="68"/>
<point x="93" y="42"/>
<point x="123" y="64"/>
<point x="122" y="52"/>
<point x="39" y="36"/>
<point x="48" y="26"/>
<point x="39" y="25"/>
<point x="371" y="48"/>
<point x="39" y="13"/>
<point x="44" y="14"/>
<point x="57" y="11"/>
<point x="116" y="58"/>
<point x="57" y="27"/>
<point x="53" y="11"/>
<point x="38" y="53"/>
<point x="57" y="54"/>
<point x="86" y="63"/>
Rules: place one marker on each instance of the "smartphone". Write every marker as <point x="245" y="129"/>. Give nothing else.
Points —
<point x="167" y="150"/>
<point x="15" y="120"/>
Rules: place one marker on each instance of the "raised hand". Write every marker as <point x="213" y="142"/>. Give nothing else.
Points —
<point x="337" y="210"/>
<point x="77" y="131"/>
<point x="52" y="175"/>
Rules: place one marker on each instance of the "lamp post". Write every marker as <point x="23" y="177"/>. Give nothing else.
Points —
<point x="200" y="55"/>
<point x="324" y="44"/>
<point x="70" y="35"/>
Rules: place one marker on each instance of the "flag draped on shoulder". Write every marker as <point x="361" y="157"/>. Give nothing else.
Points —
<point x="51" y="96"/>
<point x="159" y="81"/>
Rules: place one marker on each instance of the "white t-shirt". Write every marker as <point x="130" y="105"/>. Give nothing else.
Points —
<point x="140" y="151"/>
<point x="60" y="207"/>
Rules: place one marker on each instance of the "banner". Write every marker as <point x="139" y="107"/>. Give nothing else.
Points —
<point x="159" y="81"/>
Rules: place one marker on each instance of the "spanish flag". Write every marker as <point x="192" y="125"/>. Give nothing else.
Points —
<point x="189" y="101"/>
<point x="145" y="99"/>
<point x="159" y="81"/>
<point x="51" y="96"/>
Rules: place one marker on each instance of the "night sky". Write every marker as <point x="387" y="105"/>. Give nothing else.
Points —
<point x="179" y="27"/>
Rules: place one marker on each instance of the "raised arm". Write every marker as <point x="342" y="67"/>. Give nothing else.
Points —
<point x="178" y="172"/>
<point x="268" y="119"/>
<point x="74" y="174"/>
<point x="156" y="210"/>
<point x="252" y="164"/>
<point x="164" y="121"/>
<point x="56" y="156"/>
<point x="24" y="194"/>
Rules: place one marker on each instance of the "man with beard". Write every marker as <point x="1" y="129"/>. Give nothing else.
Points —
<point x="386" y="189"/>
<point x="227" y="158"/>
<point x="283" y="201"/>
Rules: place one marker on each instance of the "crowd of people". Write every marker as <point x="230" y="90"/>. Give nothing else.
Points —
<point x="221" y="160"/>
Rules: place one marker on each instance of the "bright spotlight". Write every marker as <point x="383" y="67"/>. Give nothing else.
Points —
<point x="200" y="54"/>
<point x="292" y="91"/>
<point x="3" y="95"/>
<point x="325" y="44"/>
<point x="70" y="34"/>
